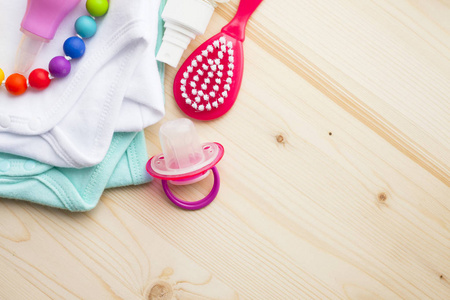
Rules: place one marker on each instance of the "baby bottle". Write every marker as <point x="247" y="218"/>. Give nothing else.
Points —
<point x="39" y="25"/>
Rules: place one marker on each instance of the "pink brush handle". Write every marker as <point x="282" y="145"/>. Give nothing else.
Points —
<point x="236" y="27"/>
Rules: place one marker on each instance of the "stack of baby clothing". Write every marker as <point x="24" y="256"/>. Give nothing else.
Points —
<point x="63" y="146"/>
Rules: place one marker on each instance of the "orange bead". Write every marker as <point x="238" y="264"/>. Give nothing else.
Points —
<point x="16" y="84"/>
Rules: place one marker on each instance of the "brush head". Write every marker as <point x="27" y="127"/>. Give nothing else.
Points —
<point x="207" y="84"/>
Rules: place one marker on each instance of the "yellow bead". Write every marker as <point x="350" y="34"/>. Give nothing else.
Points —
<point x="97" y="8"/>
<point x="2" y="76"/>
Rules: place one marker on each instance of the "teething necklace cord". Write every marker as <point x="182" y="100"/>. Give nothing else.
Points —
<point x="59" y="66"/>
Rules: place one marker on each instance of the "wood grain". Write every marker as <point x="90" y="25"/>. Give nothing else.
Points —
<point x="335" y="181"/>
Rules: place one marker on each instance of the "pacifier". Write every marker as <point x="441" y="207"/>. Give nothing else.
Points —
<point x="185" y="161"/>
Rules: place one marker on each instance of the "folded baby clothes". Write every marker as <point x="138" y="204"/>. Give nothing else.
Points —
<point x="113" y="87"/>
<point x="75" y="189"/>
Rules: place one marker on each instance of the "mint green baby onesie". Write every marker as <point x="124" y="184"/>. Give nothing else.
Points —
<point x="79" y="189"/>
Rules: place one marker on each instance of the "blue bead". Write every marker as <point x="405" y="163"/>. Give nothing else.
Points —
<point x="74" y="47"/>
<point x="85" y="26"/>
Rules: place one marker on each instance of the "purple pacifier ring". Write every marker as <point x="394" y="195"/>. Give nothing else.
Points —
<point x="196" y="204"/>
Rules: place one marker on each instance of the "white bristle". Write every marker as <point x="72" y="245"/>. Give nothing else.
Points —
<point x="214" y="68"/>
<point x="205" y="53"/>
<point x="208" y="106"/>
<point x="204" y="86"/>
<point x="231" y="59"/>
<point x="225" y="94"/>
<point x="220" y="100"/>
<point x="218" y="81"/>
<point x="198" y="99"/>
<point x="194" y="105"/>
<point x="221" y="67"/>
<point x="231" y="52"/>
<point x="184" y="95"/>
<point x="210" y="48"/>
<point x="216" y="43"/>
<point x="223" y="48"/>
<point x="196" y="77"/>
<point x="200" y="72"/>
<point x="215" y="104"/>
<point x="210" y="74"/>
<point x="231" y="66"/>
<point x="212" y="94"/>
<point x="230" y="73"/>
<point x="194" y="63"/>
<point x="199" y="58"/>
<point x="226" y="87"/>
<point x="183" y="81"/>
<point x="190" y="69"/>
<point x="188" y="101"/>
<point x="183" y="88"/>
<point x="194" y="92"/>
<point x="200" y="93"/>
<point x="205" y="67"/>
<point x="222" y="40"/>
<point x="216" y="88"/>
<point x="201" y="107"/>
<point x="186" y="75"/>
<point x="229" y="80"/>
<point x="230" y="45"/>
<point x="210" y="61"/>
<point x="220" y="54"/>
<point x="207" y="80"/>
<point x="206" y="97"/>
<point x="219" y="74"/>
<point x="193" y="84"/>
<point x="217" y="61"/>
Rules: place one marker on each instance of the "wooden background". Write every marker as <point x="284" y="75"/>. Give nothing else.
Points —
<point x="335" y="181"/>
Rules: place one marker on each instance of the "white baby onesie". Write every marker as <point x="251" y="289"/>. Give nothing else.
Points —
<point x="115" y="86"/>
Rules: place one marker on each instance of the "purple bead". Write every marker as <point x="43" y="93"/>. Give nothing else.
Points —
<point x="59" y="66"/>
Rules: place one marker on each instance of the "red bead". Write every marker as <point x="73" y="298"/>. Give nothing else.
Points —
<point x="38" y="79"/>
<point x="16" y="84"/>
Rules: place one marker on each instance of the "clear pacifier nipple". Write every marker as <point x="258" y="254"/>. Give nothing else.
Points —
<point x="185" y="160"/>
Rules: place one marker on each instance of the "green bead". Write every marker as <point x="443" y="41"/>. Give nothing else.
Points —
<point x="97" y="8"/>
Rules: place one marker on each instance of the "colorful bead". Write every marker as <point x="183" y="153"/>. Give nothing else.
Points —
<point x="85" y="26"/>
<point x="2" y="76"/>
<point x="59" y="66"/>
<point x="39" y="79"/>
<point x="16" y="84"/>
<point x="74" y="47"/>
<point x="97" y="8"/>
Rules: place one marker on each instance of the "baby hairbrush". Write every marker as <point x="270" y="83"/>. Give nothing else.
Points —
<point x="207" y="84"/>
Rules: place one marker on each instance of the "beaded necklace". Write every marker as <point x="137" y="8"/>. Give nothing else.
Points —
<point x="59" y="66"/>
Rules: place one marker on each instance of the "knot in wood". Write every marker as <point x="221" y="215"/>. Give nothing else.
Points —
<point x="161" y="290"/>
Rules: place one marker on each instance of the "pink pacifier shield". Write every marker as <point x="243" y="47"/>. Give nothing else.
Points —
<point x="183" y="156"/>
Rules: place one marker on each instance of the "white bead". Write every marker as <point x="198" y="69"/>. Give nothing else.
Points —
<point x="194" y="63"/>
<point x="216" y="88"/>
<point x="230" y="45"/>
<point x="196" y="78"/>
<point x="230" y="73"/>
<point x="208" y="106"/>
<point x="200" y="93"/>
<point x="206" y="97"/>
<point x="198" y="99"/>
<point x="205" y="67"/>
<point x="185" y="75"/>
<point x="210" y="61"/>
<point x="210" y="48"/>
<point x="222" y="40"/>
<point x="221" y="67"/>
<point x="218" y="81"/>
<point x="223" y="48"/>
<point x="215" y="104"/>
<point x="226" y="87"/>
<point x="216" y="43"/>
<point x="194" y="105"/>
<point x="210" y="74"/>
<point x="205" y="53"/>
<point x="201" y="108"/>
<point x="184" y="95"/>
<point x="204" y="86"/>
<point x="200" y="72"/>
<point x="217" y="61"/>
<point x="231" y="52"/>
<point x="207" y="80"/>
<point x="225" y="94"/>
<point x="220" y="54"/>
<point x="219" y="74"/>
<point x="193" y="84"/>
<point x="199" y="58"/>
<point x="188" y="101"/>
<point x="220" y="100"/>
<point x="190" y="69"/>
<point x="229" y="80"/>
<point x="194" y="92"/>
<point x="231" y="66"/>
<point x="214" y="68"/>
<point x="212" y="94"/>
<point x="183" y="88"/>
<point x="183" y="81"/>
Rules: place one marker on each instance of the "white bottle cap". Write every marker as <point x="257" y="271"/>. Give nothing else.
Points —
<point x="184" y="20"/>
